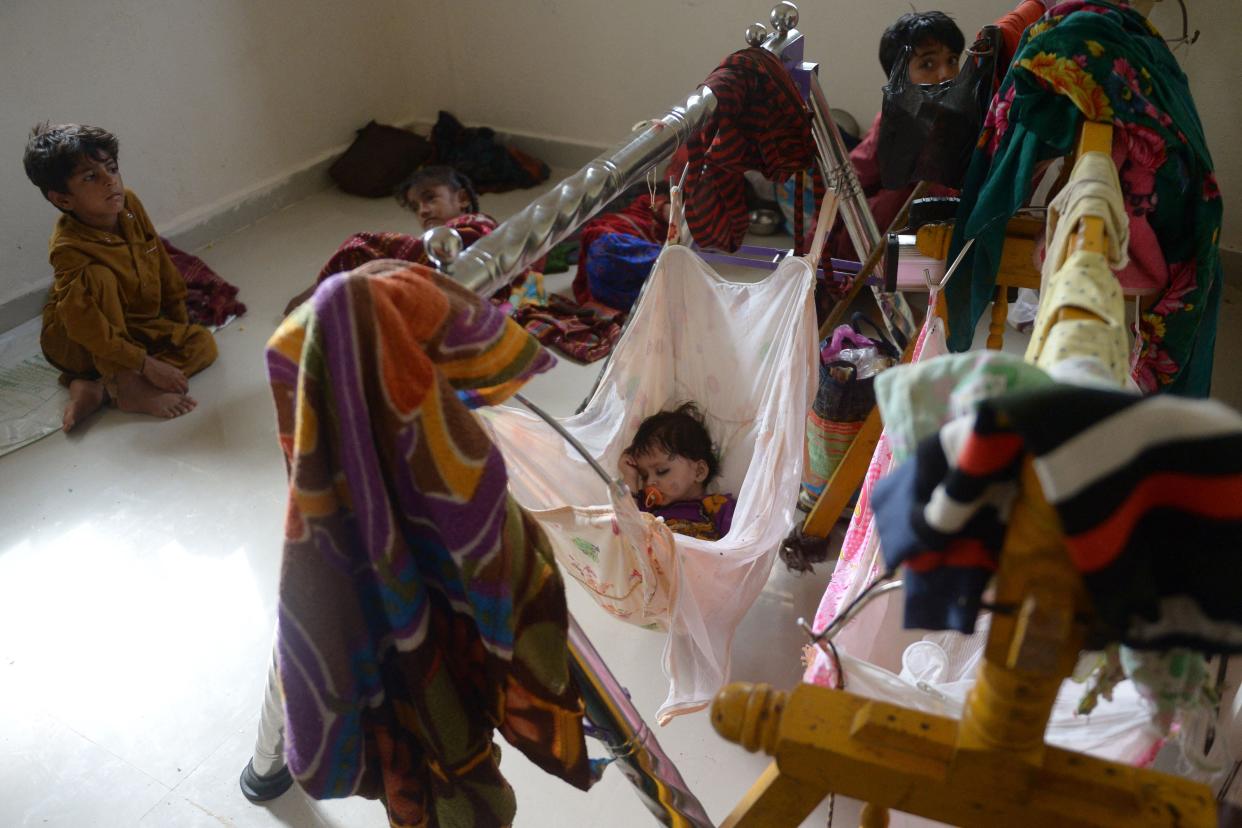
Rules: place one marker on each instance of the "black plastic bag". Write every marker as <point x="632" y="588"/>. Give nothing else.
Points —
<point x="929" y="130"/>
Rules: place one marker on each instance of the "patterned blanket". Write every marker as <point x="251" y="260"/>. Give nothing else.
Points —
<point x="1102" y="62"/>
<point x="361" y="248"/>
<point x="209" y="300"/>
<point x="420" y="608"/>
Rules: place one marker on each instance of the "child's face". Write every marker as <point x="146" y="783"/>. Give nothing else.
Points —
<point x="677" y="477"/>
<point x="96" y="194"/>
<point x="437" y="203"/>
<point x="933" y="62"/>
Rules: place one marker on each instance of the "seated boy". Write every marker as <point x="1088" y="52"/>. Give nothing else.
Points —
<point x="115" y="321"/>
<point x="936" y="45"/>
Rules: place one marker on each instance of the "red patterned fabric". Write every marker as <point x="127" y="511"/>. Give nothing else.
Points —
<point x="209" y="300"/>
<point x="361" y="248"/>
<point x="584" y="332"/>
<point x="760" y="124"/>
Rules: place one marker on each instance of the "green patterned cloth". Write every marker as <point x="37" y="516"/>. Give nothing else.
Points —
<point x="1104" y="63"/>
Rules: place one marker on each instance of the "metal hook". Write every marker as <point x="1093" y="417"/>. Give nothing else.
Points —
<point x="961" y="254"/>
<point x="878" y="587"/>
<point x="1186" y="38"/>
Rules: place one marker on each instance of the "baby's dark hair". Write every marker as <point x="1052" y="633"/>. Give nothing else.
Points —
<point x="53" y="152"/>
<point x="680" y="432"/>
<point x="913" y="29"/>
<point x="437" y="175"/>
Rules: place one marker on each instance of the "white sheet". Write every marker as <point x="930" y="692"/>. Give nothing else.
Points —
<point x="745" y="354"/>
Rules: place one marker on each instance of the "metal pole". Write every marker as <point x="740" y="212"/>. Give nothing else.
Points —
<point x="624" y="733"/>
<point x="488" y="263"/>
<point x="519" y="241"/>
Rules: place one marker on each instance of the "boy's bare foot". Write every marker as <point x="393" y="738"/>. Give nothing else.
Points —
<point x="164" y="376"/>
<point x="137" y="395"/>
<point x="85" y="397"/>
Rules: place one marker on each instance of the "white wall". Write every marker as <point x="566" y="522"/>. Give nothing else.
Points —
<point x="216" y="100"/>
<point x="212" y="100"/>
<point x="1214" y="66"/>
<point x="588" y="69"/>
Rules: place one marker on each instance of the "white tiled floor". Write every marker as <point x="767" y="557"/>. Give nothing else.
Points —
<point x="138" y="568"/>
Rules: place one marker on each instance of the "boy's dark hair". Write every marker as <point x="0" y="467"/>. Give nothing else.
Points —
<point x="53" y="152"/>
<point x="437" y="175"/>
<point x="679" y="432"/>
<point x="913" y="29"/>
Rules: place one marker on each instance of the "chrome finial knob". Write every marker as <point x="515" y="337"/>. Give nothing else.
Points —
<point x="442" y="245"/>
<point x="784" y="17"/>
<point x="756" y="33"/>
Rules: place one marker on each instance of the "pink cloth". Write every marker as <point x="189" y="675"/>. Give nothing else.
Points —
<point x="860" y="562"/>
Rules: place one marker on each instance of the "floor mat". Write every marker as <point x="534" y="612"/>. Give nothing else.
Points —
<point x="31" y="400"/>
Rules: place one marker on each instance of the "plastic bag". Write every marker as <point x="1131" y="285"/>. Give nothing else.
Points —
<point x="929" y="130"/>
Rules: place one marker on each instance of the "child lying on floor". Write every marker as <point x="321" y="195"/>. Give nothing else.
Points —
<point x="669" y="465"/>
<point x="115" y="322"/>
<point x="441" y="197"/>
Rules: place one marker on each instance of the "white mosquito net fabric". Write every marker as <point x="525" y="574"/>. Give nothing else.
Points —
<point x="744" y="353"/>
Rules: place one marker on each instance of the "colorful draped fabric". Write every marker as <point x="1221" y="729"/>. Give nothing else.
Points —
<point x="420" y="608"/>
<point x="1148" y="492"/>
<point x="760" y="123"/>
<point x="1106" y="63"/>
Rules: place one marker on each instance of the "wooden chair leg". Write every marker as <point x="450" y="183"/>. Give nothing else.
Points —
<point x="774" y="800"/>
<point x="1000" y="313"/>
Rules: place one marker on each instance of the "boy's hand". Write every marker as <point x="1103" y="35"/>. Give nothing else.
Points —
<point x="164" y="376"/>
<point x="629" y="472"/>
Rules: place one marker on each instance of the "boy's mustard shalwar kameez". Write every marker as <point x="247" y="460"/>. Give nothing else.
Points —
<point x="116" y="298"/>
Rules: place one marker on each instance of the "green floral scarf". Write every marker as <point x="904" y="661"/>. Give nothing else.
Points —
<point x="1106" y="63"/>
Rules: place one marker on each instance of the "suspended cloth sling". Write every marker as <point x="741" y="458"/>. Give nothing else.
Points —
<point x="745" y="354"/>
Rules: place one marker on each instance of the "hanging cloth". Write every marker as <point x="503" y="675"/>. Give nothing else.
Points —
<point x="420" y="608"/>
<point x="760" y="123"/>
<point x="1102" y="62"/>
<point x="1148" y="492"/>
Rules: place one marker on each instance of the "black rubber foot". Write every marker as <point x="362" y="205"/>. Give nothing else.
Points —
<point x="262" y="788"/>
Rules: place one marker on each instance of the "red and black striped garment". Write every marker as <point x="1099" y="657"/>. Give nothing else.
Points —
<point x="1148" y="492"/>
<point x="760" y="123"/>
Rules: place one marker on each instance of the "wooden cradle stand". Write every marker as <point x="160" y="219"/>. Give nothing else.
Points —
<point x="992" y="768"/>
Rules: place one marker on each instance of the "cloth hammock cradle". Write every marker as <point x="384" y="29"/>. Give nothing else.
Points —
<point x="744" y="352"/>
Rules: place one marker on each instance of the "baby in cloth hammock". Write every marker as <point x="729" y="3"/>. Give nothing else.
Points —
<point x="669" y="465"/>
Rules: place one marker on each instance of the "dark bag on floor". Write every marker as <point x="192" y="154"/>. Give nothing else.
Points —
<point x="491" y="166"/>
<point x="929" y="130"/>
<point x="378" y="160"/>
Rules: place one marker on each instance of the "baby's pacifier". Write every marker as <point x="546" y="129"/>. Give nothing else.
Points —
<point x="652" y="497"/>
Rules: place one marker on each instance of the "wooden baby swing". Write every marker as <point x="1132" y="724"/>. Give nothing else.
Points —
<point x="993" y="767"/>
